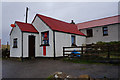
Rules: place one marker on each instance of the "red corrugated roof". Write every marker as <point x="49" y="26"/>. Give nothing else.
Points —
<point x="58" y="25"/>
<point x="99" y="22"/>
<point x="26" y="27"/>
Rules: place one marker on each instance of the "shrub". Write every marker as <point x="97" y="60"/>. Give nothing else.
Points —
<point x="110" y="43"/>
<point x="5" y="53"/>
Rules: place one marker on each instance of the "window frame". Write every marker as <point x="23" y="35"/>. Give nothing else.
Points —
<point x="89" y="32"/>
<point x="42" y="38"/>
<point x="74" y="43"/>
<point x="105" y="30"/>
<point x="15" y="43"/>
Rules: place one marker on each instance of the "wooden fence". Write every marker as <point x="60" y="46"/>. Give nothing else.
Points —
<point x="106" y="51"/>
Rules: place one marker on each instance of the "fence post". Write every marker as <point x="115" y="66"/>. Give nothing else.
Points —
<point x="108" y="56"/>
<point x="63" y="52"/>
<point x="7" y="45"/>
<point x="82" y="50"/>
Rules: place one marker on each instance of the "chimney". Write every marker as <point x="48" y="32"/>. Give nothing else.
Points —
<point x="72" y="22"/>
<point x="26" y="14"/>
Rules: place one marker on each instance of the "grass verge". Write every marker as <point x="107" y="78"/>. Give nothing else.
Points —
<point x="90" y="61"/>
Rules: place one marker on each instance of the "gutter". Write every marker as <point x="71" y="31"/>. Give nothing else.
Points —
<point x="22" y="48"/>
<point x="54" y="44"/>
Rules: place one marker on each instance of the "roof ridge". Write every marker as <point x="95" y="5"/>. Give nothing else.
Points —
<point x="22" y="22"/>
<point x="54" y="19"/>
<point x="98" y="19"/>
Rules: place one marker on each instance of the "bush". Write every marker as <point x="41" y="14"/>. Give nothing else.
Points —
<point x="114" y="45"/>
<point x="5" y="53"/>
<point x="109" y="43"/>
<point x="101" y="43"/>
<point x="51" y="77"/>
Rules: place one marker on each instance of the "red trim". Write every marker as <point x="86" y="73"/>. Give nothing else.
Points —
<point x="44" y="50"/>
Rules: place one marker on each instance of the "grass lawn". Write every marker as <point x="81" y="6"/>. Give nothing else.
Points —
<point x="90" y="61"/>
<point x="112" y="56"/>
<point x="76" y="60"/>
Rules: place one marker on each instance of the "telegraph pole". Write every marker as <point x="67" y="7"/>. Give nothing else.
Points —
<point x="26" y="14"/>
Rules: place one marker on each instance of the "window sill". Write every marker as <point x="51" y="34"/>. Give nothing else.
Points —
<point x="15" y="47"/>
<point x="105" y="35"/>
<point x="89" y="36"/>
<point x="44" y="45"/>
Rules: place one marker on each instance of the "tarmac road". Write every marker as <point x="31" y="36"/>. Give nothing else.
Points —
<point x="42" y="68"/>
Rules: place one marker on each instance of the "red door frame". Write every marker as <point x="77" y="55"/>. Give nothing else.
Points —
<point x="44" y="50"/>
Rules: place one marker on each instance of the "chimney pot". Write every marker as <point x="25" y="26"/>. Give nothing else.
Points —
<point x="72" y="22"/>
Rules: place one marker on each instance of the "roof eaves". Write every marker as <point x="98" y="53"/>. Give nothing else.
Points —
<point x="98" y="26"/>
<point x="68" y="32"/>
<point x="27" y="31"/>
<point x="13" y="28"/>
<point x="30" y="32"/>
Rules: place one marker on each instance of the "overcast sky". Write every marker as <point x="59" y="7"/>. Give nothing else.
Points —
<point x="65" y="11"/>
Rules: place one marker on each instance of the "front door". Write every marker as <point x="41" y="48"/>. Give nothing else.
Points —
<point x="31" y="45"/>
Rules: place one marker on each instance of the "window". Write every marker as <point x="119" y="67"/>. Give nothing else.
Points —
<point x="45" y="38"/>
<point x="105" y="31"/>
<point x="89" y="33"/>
<point x="73" y="40"/>
<point x="15" y="43"/>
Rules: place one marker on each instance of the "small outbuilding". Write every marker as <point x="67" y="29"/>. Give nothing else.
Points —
<point x="44" y="37"/>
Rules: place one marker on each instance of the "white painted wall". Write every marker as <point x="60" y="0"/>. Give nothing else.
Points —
<point x="16" y="33"/>
<point x="17" y="52"/>
<point x="42" y="27"/>
<point x="118" y="32"/>
<point x="61" y="40"/>
<point x="26" y="45"/>
<point x="64" y="40"/>
<point x="80" y="40"/>
<point x="98" y="34"/>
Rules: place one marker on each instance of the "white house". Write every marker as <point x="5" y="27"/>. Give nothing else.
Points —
<point x="44" y="37"/>
<point x="105" y="29"/>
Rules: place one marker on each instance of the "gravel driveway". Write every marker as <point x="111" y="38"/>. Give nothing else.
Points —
<point x="42" y="68"/>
